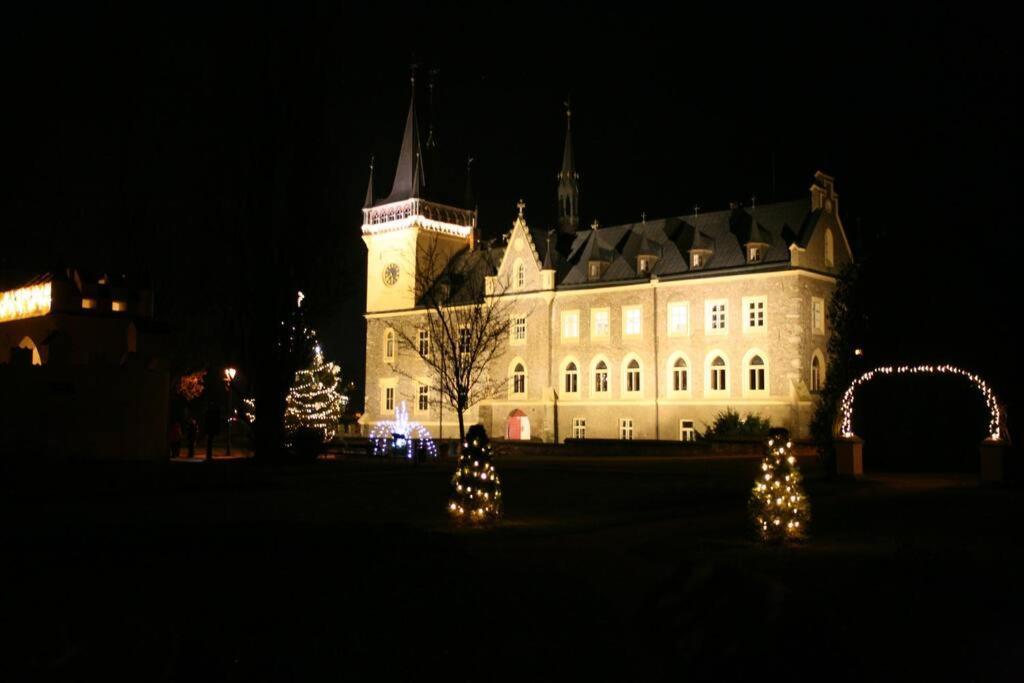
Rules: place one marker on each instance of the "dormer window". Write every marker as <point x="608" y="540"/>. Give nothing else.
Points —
<point x="754" y="254"/>
<point x="696" y="261"/>
<point x="643" y="265"/>
<point x="595" y="270"/>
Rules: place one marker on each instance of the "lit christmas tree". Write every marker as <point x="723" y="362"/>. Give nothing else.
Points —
<point x="476" y="488"/>
<point x="778" y="504"/>
<point x="313" y="401"/>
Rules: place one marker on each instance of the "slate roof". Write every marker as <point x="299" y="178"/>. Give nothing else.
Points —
<point x="723" y="233"/>
<point x="465" y="273"/>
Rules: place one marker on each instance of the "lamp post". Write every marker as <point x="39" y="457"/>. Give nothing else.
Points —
<point x="229" y="377"/>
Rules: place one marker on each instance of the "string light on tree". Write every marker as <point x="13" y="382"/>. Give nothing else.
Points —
<point x="401" y="434"/>
<point x="313" y="401"/>
<point x="778" y="504"/>
<point x="846" y="405"/>
<point x="476" y="487"/>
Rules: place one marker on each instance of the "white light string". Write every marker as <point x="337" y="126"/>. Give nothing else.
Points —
<point x="846" y="405"/>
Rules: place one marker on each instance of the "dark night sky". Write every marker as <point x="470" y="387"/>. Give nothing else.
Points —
<point x="187" y="142"/>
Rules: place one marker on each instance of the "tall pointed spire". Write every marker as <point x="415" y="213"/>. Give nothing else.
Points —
<point x="568" y="182"/>
<point x="368" y="202"/>
<point x="409" y="177"/>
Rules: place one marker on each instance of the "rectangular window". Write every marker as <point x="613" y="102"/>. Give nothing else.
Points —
<point x="817" y="315"/>
<point x="633" y="377"/>
<point x="572" y="376"/>
<point x="423" y="343"/>
<point x="757" y="379"/>
<point x="579" y="428"/>
<point x="678" y="319"/>
<point x="696" y="260"/>
<point x="626" y="428"/>
<point x="600" y="323"/>
<point x="464" y="339"/>
<point x="570" y="325"/>
<point x="389" y="398"/>
<point x="423" y="398"/>
<point x="754" y="254"/>
<point x="718" y="378"/>
<point x="519" y="329"/>
<point x="754" y="308"/>
<point x="632" y="321"/>
<point x="118" y="306"/>
<point x="88" y="303"/>
<point x="686" y="431"/>
<point x="716" y="316"/>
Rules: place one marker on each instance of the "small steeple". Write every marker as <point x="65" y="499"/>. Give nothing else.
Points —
<point x="409" y="177"/>
<point x="568" y="182"/>
<point x="469" y="198"/>
<point x="368" y="202"/>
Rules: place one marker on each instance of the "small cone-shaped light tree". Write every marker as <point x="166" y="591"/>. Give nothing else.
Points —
<point x="313" y="402"/>
<point x="778" y="504"/>
<point x="476" y="488"/>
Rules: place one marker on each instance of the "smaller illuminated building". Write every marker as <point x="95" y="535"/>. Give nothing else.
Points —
<point x="73" y="317"/>
<point x="83" y="367"/>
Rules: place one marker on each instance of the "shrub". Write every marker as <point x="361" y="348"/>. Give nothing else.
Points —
<point x="729" y="423"/>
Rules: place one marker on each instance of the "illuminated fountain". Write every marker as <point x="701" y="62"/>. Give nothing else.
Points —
<point x="401" y="434"/>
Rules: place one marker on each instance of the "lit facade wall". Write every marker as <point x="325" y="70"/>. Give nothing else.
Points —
<point x="26" y="302"/>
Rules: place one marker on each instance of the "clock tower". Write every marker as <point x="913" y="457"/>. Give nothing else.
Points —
<point x="410" y="232"/>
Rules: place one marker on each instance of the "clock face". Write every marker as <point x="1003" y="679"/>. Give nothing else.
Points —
<point x="390" y="274"/>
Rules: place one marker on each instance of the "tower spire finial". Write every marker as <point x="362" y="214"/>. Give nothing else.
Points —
<point x="568" y="180"/>
<point x="409" y="177"/>
<point x="368" y="202"/>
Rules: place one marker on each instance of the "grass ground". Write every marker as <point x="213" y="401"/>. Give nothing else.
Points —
<point x="610" y="569"/>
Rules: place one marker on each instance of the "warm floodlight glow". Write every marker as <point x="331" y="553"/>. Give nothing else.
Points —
<point x="846" y="405"/>
<point x="26" y="302"/>
<point x="229" y="374"/>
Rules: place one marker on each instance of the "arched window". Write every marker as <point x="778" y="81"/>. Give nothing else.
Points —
<point x="817" y="371"/>
<point x="519" y="379"/>
<point x="829" y="248"/>
<point x="27" y="343"/>
<point x="718" y="379"/>
<point x="389" y="345"/>
<point x="755" y="374"/>
<point x="601" y="377"/>
<point x="520" y="274"/>
<point x="633" y="376"/>
<point x="680" y="376"/>
<point x="572" y="377"/>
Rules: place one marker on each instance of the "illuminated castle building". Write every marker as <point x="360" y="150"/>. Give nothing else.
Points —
<point x="639" y="331"/>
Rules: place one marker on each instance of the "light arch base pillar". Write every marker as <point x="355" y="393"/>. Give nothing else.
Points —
<point x="991" y="452"/>
<point x="850" y="456"/>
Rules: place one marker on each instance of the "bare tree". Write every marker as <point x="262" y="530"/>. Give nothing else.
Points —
<point x="465" y="325"/>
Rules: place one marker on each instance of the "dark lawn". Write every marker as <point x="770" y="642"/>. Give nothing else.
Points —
<point x="603" y="569"/>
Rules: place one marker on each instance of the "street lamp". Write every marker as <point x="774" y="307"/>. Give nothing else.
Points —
<point x="229" y="376"/>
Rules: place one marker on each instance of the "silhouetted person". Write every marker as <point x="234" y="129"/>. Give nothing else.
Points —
<point x="191" y="432"/>
<point x="174" y="439"/>
<point x="211" y="425"/>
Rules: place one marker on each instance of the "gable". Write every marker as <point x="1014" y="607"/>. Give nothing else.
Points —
<point x="521" y="250"/>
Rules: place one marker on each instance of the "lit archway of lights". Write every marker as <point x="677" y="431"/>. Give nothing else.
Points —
<point x="846" y="405"/>
<point x="401" y="433"/>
